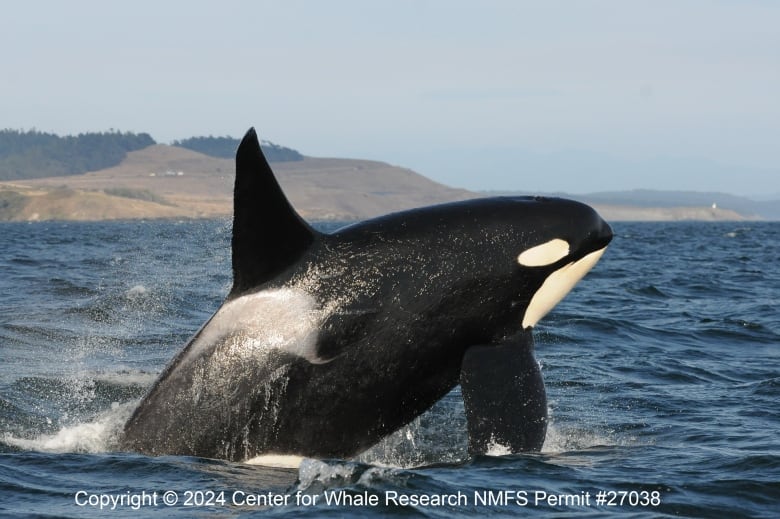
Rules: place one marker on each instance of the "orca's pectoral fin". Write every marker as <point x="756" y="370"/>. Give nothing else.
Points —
<point x="504" y="397"/>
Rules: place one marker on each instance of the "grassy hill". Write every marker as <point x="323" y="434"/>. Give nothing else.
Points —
<point x="33" y="154"/>
<point x="225" y="148"/>
<point x="163" y="181"/>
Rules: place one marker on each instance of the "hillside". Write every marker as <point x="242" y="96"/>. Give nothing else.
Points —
<point x="225" y="148"/>
<point x="33" y="154"/>
<point x="162" y="181"/>
<point x="167" y="181"/>
<point x="646" y="198"/>
<point x="625" y="213"/>
<point x="649" y="205"/>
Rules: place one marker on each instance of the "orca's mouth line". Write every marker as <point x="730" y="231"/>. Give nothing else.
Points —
<point x="557" y="285"/>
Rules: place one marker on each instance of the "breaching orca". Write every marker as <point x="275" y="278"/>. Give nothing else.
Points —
<point x="327" y="343"/>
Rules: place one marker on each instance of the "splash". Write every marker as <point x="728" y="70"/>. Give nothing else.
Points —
<point x="315" y="476"/>
<point x="435" y="437"/>
<point x="561" y="439"/>
<point x="496" y="449"/>
<point x="98" y="436"/>
<point x="137" y="291"/>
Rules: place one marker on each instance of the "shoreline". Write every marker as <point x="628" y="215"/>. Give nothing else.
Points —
<point x="92" y="206"/>
<point x="170" y="182"/>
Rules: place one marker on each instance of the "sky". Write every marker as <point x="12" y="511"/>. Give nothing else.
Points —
<point x="545" y="96"/>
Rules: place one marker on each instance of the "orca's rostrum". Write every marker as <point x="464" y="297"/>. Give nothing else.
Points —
<point x="327" y="343"/>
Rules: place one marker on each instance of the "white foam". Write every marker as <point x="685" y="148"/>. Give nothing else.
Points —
<point x="496" y="449"/>
<point x="313" y="470"/>
<point x="567" y="439"/>
<point x="137" y="291"/>
<point x="316" y="475"/>
<point x="99" y="435"/>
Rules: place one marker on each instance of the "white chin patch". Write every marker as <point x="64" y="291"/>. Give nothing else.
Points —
<point x="556" y="286"/>
<point x="545" y="254"/>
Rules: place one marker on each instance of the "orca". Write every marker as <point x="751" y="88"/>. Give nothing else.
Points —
<point x="327" y="343"/>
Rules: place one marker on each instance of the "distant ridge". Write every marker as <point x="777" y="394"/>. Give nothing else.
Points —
<point x="225" y="148"/>
<point x="26" y="154"/>
<point x="769" y="210"/>
<point x="163" y="181"/>
<point x="672" y="202"/>
<point x="34" y="154"/>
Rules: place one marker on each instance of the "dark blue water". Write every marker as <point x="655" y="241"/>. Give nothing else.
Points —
<point x="662" y="370"/>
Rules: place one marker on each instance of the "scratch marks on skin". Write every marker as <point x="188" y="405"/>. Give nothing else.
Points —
<point x="290" y="319"/>
<point x="285" y="319"/>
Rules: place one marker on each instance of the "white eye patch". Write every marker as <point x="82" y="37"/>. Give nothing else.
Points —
<point x="545" y="254"/>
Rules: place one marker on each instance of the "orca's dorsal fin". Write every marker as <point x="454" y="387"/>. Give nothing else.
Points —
<point x="268" y="235"/>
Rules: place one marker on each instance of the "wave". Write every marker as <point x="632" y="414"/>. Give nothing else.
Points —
<point x="436" y="438"/>
<point x="69" y="414"/>
<point x="93" y="437"/>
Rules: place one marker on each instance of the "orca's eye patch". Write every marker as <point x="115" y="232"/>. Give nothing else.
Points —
<point x="545" y="254"/>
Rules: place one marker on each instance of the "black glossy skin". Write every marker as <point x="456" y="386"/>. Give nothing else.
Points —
<point x="416" y="289"/>
<point x="504" y="396"/>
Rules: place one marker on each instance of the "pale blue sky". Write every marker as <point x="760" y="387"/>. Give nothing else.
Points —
<point x="536" y="96"/>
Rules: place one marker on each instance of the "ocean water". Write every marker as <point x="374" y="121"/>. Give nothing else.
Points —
<point x="662" y="370"/>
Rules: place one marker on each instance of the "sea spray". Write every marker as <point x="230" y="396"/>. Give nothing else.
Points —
<point x="96" y="436"/>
